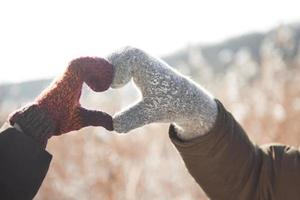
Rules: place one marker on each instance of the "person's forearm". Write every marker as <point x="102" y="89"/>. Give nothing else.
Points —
<point x="24" y="164"/>
<point x="224" y="162"/>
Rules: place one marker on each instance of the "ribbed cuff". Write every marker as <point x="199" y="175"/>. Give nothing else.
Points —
<point x="202" y="145"/>
<point x="35" y="122"/>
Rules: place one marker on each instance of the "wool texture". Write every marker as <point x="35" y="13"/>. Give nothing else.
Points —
<point x="60" y="101"/>
<point x="167" y="95"/>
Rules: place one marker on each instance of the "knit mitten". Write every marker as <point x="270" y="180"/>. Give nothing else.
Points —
<point x="167" y="96"/>
<point x="57" y="109"/>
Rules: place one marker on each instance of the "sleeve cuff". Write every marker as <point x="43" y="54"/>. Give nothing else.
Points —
<point x="204" y="144"/>
<point x="35" y="122"/>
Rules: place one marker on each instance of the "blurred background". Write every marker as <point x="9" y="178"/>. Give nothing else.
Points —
<point x="244" y="52"/>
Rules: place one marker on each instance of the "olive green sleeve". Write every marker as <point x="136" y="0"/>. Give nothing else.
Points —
<point x="227" y="165"/>
<point x="285" y="171"/>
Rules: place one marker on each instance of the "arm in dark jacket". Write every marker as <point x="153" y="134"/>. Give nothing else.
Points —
<point x="227" y="165"/>
<point x="23" y="165"/>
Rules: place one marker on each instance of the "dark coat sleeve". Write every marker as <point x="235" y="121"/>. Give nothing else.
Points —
<point x="227" y="165"/>
<point x="23" y="165"/>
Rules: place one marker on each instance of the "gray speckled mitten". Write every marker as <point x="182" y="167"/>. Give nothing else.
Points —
<point x="167" y="96"/>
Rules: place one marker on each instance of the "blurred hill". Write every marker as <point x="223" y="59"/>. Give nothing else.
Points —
<point x="15" y="95"/>
<point x="23" y="90"/>
<point x="217" y="57"/>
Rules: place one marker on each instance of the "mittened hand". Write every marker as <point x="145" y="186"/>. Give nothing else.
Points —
<point x="59" y="103"/>
<point x="61" y="99"/>
<point x="167" y="96"/>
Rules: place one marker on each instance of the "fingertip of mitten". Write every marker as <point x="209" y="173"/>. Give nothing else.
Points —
<point x="107" y="122"/>
<point x="118" y="126"/>
<point x="97" y="73"/>
<point x="109" y="126"/>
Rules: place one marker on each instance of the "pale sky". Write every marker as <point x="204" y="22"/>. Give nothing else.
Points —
<point x="38" y="38"/>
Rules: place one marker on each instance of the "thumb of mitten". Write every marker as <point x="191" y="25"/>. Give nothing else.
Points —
<point x="133" y="117"/>
<point x="95" y="118"/>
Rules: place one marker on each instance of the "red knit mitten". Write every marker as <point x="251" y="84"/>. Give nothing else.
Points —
<point x="57" y="109"/>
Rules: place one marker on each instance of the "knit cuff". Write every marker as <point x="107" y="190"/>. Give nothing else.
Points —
<point x="35" y="122"/>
